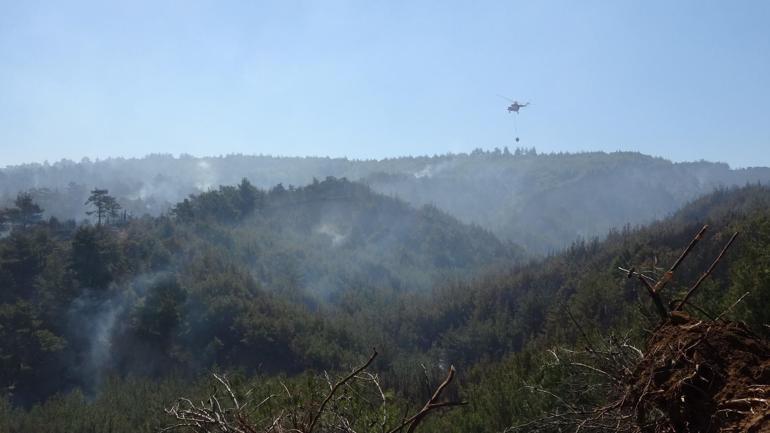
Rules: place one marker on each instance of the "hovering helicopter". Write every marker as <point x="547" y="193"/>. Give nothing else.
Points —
<point x="514" y="108"/>
<point x="515" y="105"/>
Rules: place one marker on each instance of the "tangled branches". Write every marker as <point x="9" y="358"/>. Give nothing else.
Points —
<point x="589" y="378"/>
<point x="696" y="376"/>
<point x="354" y="403"/>
<point x="704" y="376"/>
<point x="212" y="415"/>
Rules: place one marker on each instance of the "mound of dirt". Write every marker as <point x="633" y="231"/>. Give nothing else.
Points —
<point x="702" y="376"/>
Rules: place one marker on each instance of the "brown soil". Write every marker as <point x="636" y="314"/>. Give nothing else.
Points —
<point x="702" y="376"/>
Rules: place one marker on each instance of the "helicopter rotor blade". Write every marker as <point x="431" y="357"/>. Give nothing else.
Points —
<point x="506" y="98"/>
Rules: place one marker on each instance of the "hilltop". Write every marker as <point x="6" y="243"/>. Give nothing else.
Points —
<point x="541" y="201"/>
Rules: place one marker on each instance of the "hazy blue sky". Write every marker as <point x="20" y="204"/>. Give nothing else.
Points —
<point x="681" y="79"/>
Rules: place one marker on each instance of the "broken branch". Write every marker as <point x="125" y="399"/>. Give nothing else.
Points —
<point x="334" y="389"/>
<point x="707" y="273"/>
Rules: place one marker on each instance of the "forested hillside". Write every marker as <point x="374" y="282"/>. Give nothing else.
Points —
<point x="543" y="202"/>
<point x="139" y="310"/>
<point x="237" y="276"/>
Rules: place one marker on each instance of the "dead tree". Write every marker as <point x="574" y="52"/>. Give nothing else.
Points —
<point x="333" y="413"/>
<point x="657" y="391"/>
<point x="655" y="287"/>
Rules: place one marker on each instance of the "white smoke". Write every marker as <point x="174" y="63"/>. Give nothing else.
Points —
<point x="336" y="235"/>
<point x="431" y="170"/>
<point x="96" y="316"/>
<point x="205" y="176"/>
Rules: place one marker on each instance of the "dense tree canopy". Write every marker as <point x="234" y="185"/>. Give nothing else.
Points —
<point x="538" y="200"/>
<point x="275" y="283"/>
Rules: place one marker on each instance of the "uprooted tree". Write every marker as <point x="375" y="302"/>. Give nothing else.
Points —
<point x="696" y="375"/>
<point x="354" y="403"/>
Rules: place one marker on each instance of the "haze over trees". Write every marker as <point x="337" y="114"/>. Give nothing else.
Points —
<point x="24" y="212"/>
<point x="540" y="201"/>
<point x="205" y="269"/>
<point x="286" y="282"/>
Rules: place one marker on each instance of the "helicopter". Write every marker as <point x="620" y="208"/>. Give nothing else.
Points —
<point x="515" y="105"/>
<point x="514" y="108"/>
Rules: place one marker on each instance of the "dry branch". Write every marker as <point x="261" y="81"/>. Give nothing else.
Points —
<point x="336" y="387"/>
<point x="644" y="279"/>
<point x="603" y="370"/>
<point x="653" y="290"/>
<point x="412" y="422"/>
<point x="332" y="414"/>
<point x="708" y="272"/>
<point x="670" y="274"/>
<point x="732" y="306"/>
